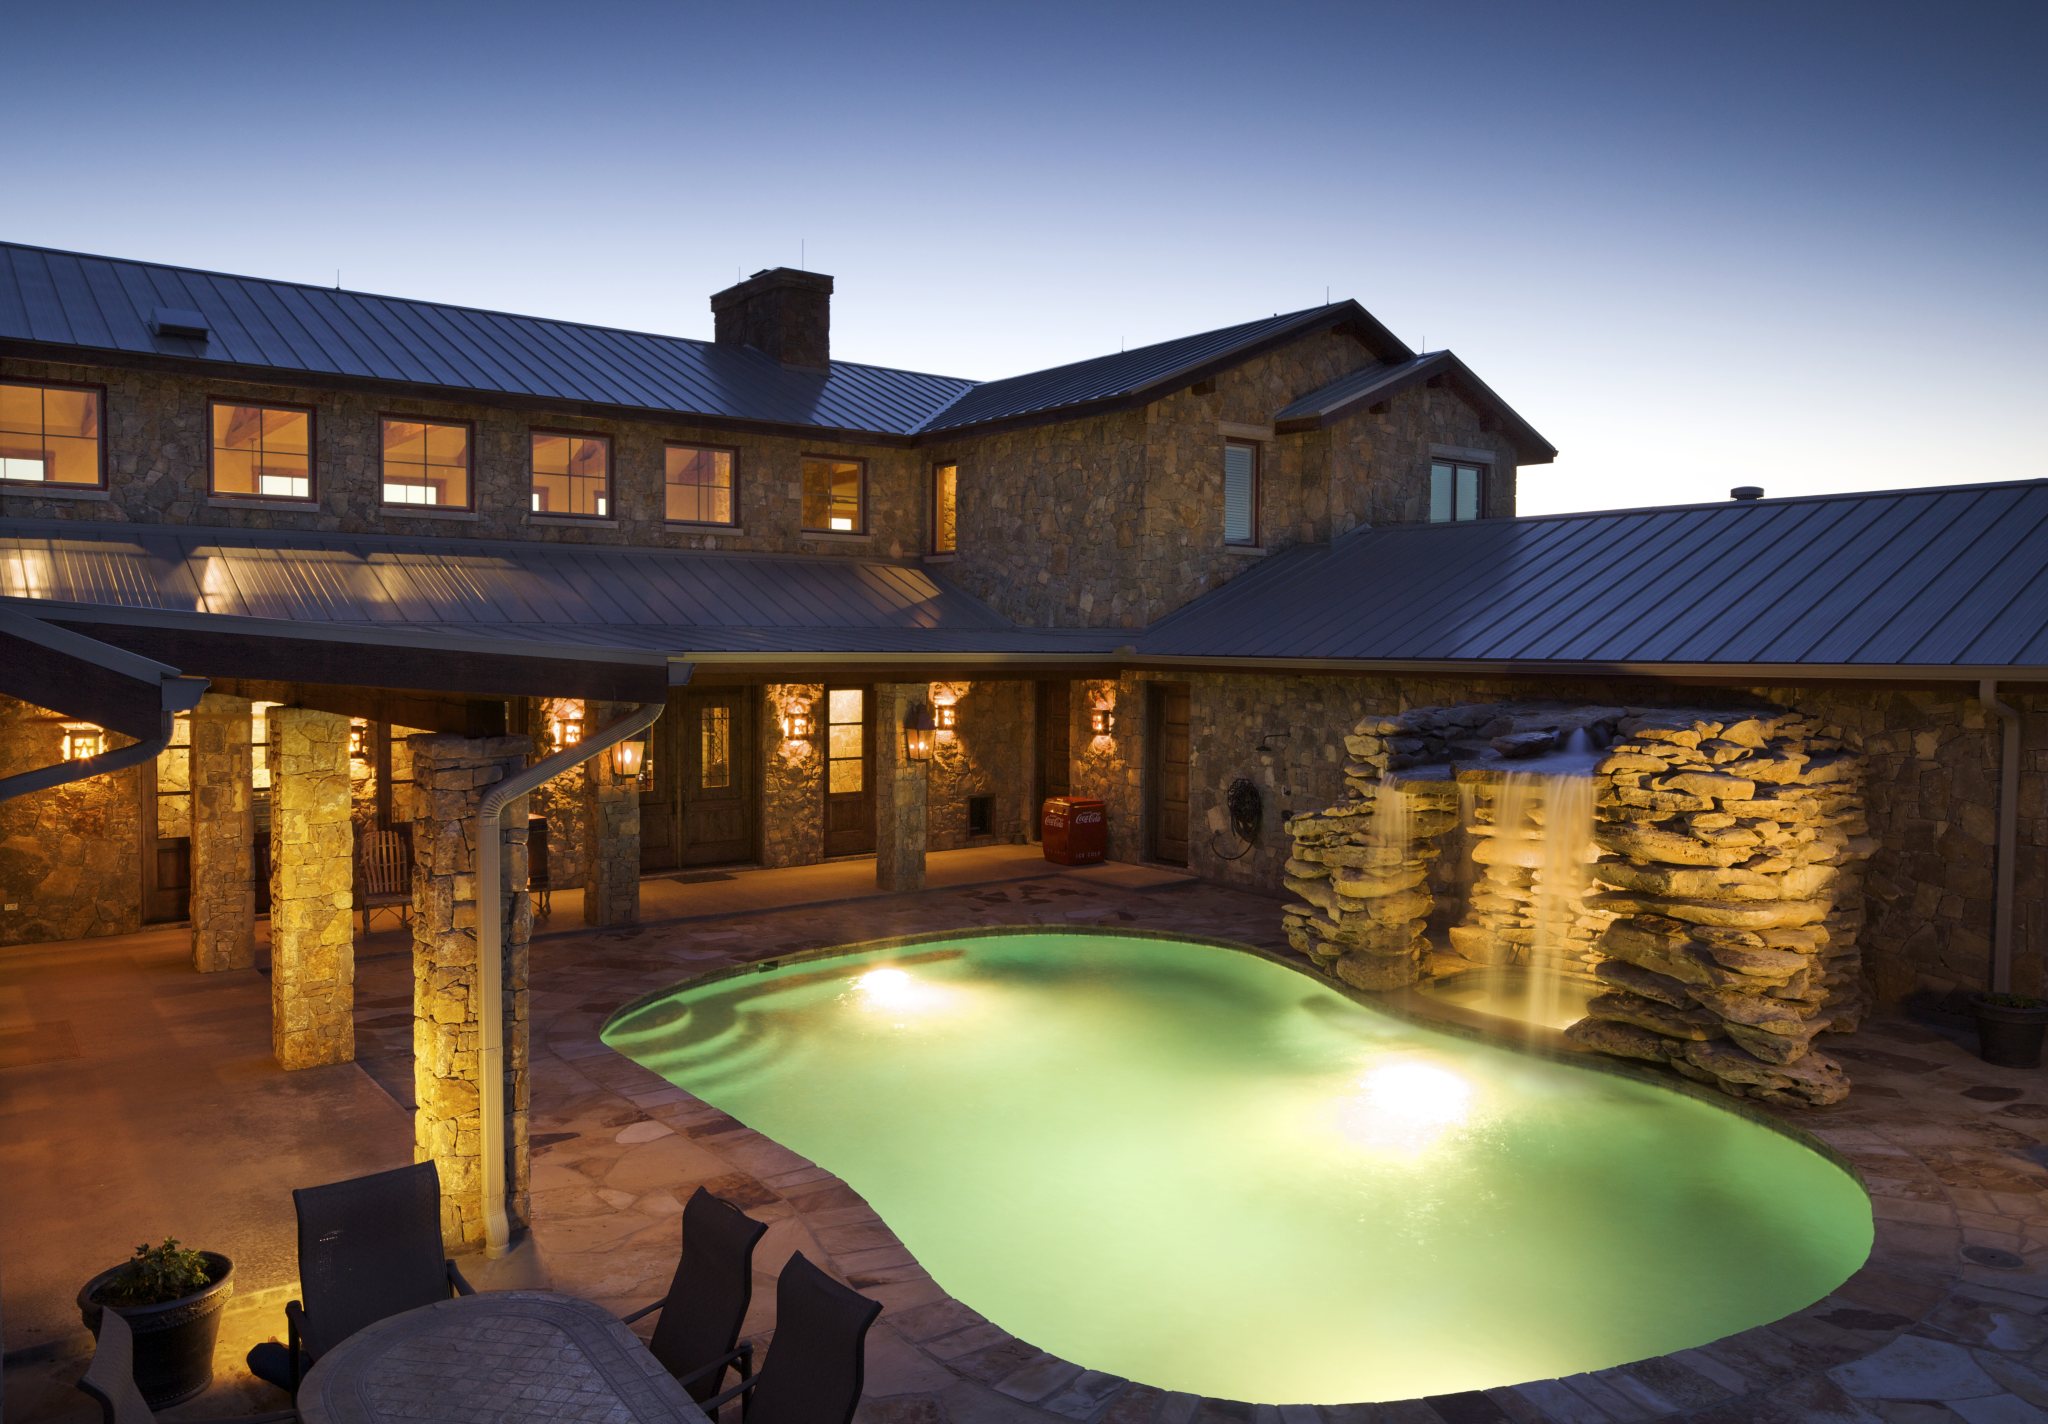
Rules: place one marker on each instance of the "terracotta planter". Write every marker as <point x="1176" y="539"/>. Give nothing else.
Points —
<point x="173" y="1340"/>
<point x="2010" y="1035"/>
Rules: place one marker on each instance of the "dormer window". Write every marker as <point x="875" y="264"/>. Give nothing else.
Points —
<point x="1240" y="492"/>
<point x="1457" y="490"/>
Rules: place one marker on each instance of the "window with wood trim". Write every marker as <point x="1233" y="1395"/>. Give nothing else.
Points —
<point x="572" y="474"/>
<point x="426" y="463"/>
<point x="1457" y="490"/>
<point x="261" y="452"/>
<point x="1240" y="492"/>
<point x="50" y="435"/>
<point x="699" y="484"/>
<point x="945" y="508"/>
<point x="834" y="500"/>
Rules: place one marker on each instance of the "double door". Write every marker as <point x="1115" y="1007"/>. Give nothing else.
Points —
<point x="703" y="797"/>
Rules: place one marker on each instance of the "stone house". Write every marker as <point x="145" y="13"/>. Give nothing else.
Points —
<point x="306" y="566"/>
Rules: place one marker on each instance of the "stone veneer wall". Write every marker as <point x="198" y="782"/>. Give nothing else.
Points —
<point x="223" y="905"/>
<point x="452" y="774"/>
<point x="792" y="777"/>
<point x="900" y="787"/>
<point x="157" y="438"/>
<point x="988" y="754"/>
<point x="312" y="926"/>
<point x="611" y="871"/>
<point x="70" y="857"/>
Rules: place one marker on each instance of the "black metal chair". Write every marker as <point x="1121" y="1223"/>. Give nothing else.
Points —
<point x="369" y="1248"/>
<point x="110" y="1379"/>
<point x="698" y="1335"/>
<point x="816" y="1363"/>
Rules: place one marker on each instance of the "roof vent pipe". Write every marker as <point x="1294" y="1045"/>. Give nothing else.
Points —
<point x="1746" y="492"/>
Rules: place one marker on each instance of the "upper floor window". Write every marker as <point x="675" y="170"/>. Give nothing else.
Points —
<point x="945" y="508"/>
<point x="426" y="462"/>
<point x="572" y="474"/>
<point x="262" y="451"/>
<point x="834" y="500"/>
<point x="1456" y="491"/>
<point x="50" y="435"/>
<point x="699" y="484"/>
<point x="1240" y="492"/>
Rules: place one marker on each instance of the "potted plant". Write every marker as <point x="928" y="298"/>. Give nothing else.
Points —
<point x="172" y="1299"/>
<point x="2009" y="1029"/>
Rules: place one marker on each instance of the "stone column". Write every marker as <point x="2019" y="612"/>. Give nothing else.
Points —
<point x="451" y="775"/>
<point x="312" y="931"/>
<point x="900" y="784"/>
<point x="611" y="877"/>
<point x="223" y="835"/>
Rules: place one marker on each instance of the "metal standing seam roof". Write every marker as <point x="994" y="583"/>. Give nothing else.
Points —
<point x="655" y="600"/>
<point x="1386" y="379"/>
<point x="108" y="304"/>
<point x="1949" y="579"/>
<point x="49" y="297"/>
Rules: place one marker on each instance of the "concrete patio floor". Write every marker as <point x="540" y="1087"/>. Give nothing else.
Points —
<point x="138" y="1099"/>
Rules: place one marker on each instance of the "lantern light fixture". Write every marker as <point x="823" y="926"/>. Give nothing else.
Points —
<point x="83" y="740"/>
<point x="568" y="731"/>
<point x="629" y="757"/>
<point x="358" y="739"/>
<point x="1102" y="721"/>
<point x="917" y="733"/>
<point x="946" y="715"/>
<point x="796" y="723"/>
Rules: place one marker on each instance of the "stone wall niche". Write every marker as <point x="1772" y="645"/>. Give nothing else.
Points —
<point x="312" y="890"/>
<point x="452" y="774"/>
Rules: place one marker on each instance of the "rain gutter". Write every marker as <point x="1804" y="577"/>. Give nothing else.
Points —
<point x="490" y="947"/>
<point x="2007" y="859"/>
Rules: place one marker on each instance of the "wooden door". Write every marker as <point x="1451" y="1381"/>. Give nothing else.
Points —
<point x="849" y="770"/>
<point x="661" y="800"/>
<point x="718" y="783"/>
<point x="1166" y="784"/>
<point x="1053" y="772"/>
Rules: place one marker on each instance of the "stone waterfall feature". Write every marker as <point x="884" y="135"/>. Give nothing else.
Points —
<point x="1721" y="893"/>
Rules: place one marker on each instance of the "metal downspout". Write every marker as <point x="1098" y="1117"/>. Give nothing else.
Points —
<point x="2008" y="834"/>
<point x="490" y="951"/>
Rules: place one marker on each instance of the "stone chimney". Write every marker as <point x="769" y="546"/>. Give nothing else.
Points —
<point x="780" y="312"/>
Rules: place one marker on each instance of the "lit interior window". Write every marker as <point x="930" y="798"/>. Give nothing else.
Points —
<point x="49" y="434"/>
<point x="832" y="495"/>
<point x="698" y="485"/>
<point x="572" y="474"/>
<point x="426" y="463"/>
<point x="262" y="451"/>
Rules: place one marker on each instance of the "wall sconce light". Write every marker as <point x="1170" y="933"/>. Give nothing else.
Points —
<point x="796" y="724"/>
<point x="946" y="716"/>
<point x="629" y="758"/>
<point x="358" y="739"/>
<point x="83" y="740"/>
<point x="567" y="732"/>
<point x="917" y="733"/>
<point x="1102" y="722"/>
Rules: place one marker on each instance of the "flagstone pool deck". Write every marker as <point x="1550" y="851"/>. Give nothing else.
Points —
<point x="1947" y="1321"/>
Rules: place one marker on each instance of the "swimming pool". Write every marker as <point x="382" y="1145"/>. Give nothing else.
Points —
<point x="1203" y="1170"/>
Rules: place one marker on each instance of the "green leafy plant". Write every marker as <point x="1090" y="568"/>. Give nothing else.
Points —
<point x="156" y="1274"/>
<point x="2012" y="1001"/>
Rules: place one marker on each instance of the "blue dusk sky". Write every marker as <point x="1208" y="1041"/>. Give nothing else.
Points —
<point x="1797" y="245"/>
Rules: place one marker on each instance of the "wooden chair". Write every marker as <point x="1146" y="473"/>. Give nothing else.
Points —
<point x="386" y="876"/>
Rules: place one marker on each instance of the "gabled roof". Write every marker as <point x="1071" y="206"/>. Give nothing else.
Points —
<point x="1369" y="385"/>
<point x="258" y="326"/>
<point x="262" y="329"/>
<point x="1132" y="377"/>
<point x="1946" y="581"/>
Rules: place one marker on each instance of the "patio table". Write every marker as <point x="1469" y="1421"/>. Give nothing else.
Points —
<point x="495" y="1358"/>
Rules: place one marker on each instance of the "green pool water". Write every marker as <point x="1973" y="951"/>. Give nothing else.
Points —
<point x="1207" y="1172"/>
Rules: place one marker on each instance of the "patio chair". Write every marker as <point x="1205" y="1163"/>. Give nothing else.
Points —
<point x="110" y="1379"/>
<point x="815" y="1364"/>
<point x="698" y="1336"/>
<point x="386" y="867"/>
<point x="369" y="1248"/>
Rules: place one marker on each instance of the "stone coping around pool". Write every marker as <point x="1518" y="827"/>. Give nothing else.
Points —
<point x="956" y="1337"/>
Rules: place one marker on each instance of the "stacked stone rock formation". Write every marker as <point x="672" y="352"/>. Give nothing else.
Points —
<point x="1725" y="898"/>
<point x="1732" y="853"/>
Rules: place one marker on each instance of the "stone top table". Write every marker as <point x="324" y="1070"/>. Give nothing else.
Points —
<point x="495" y="1358"/>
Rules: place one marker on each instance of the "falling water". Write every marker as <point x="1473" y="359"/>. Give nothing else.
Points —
<point x="1538" y="870"/>
<point x="1393" y="822"/>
